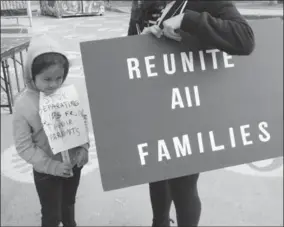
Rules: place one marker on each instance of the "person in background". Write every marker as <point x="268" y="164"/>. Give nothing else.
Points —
<point x="219" y="25"/>
<point x="46" y="70"/>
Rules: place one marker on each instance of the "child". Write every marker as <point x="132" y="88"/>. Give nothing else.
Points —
<point x="217" y="24"/>
<point x="46" y="70"/>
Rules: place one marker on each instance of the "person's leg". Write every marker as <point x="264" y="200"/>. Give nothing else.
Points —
<point x="161" y="203"/>
<point x="69" y="191"/>
<point x="184" y="192"/>
<point x="49" y="191"/>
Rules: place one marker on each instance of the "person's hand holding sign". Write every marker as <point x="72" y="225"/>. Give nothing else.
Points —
<point x="83" y="156"/>
<point x="154" y="29"/>
<point x="172" y="25"/>
<point x="64" y="170"/>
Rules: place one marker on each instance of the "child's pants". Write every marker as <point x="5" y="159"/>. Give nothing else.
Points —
<point x="57" y="198"/>
<point x="183" y="191"/>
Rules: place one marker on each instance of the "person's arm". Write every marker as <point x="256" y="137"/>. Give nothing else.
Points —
<point x="85" y="146"/>
<point x="81" y="156"/>
<point x="221" y="27"/>
<point x="81" y="152"/>
<point x="27" y="149"/>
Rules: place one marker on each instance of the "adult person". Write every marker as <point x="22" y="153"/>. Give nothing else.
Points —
<point x="219" y="25"/>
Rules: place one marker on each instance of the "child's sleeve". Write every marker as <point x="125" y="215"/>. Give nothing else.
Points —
<point x="86" y="146"/>
<point x="26" y="148"/>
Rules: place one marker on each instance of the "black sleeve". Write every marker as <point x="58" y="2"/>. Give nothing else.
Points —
<point x="132" y="29"/>
<point x="221" y="26"/>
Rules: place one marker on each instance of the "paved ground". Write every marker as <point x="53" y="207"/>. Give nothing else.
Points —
<point x="235" y="196"/>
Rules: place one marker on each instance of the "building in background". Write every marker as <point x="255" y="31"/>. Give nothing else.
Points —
<point x="71" y="8"/>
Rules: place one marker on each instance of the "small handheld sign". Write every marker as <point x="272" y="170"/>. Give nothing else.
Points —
<point x="63" y="120"/>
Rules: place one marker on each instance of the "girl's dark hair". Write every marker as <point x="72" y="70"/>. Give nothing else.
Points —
<point x="44" y="61"/>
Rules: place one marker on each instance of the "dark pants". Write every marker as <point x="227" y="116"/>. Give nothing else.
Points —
<point x="183" y="191"/>
<point x="57" y="198"/>
<point x="132" y="29"/>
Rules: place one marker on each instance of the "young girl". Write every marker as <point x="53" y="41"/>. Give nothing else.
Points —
<point x="45" y="71"/>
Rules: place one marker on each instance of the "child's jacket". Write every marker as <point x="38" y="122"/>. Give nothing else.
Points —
<point x="30" y="139"/>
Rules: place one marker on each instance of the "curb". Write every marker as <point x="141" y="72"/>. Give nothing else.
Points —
<point x="258" y="17"/>
<point x="261" y="17"/>
<point x="116" y="10"/>
<point x="11" y="30"/>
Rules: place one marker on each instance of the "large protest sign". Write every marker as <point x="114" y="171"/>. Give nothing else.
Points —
<point x="162" y="109"/>
<point x="63" y="119"/>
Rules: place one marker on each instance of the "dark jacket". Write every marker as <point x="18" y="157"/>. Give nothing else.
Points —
<point x="216" y="23"/>
<point x="143" y="11"/>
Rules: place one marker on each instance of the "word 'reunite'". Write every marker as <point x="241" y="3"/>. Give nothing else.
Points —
<point x="170" y="63"/>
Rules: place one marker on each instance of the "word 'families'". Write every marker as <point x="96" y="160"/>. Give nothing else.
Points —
<point x="182" y="146"/>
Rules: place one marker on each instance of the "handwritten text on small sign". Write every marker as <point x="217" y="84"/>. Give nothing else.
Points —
<point x="63" y="120"/>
